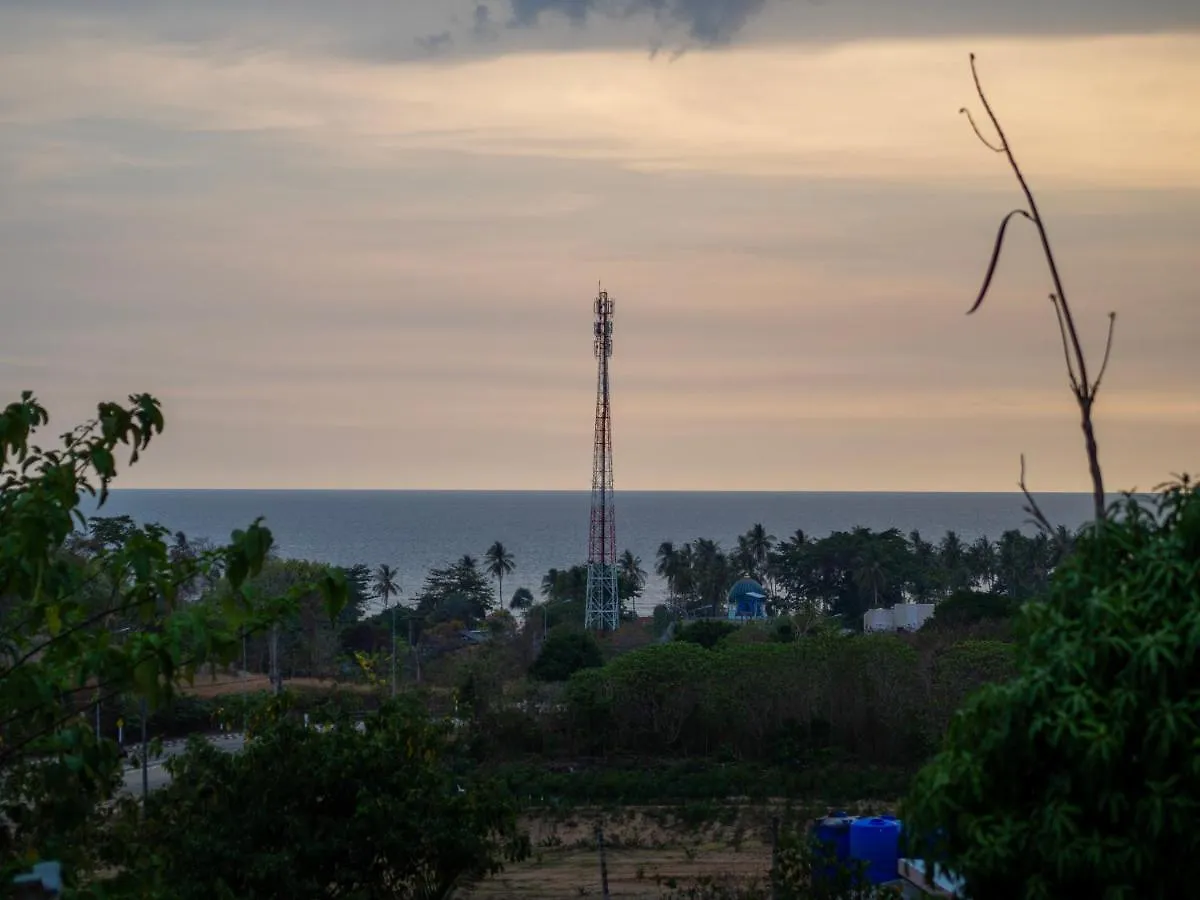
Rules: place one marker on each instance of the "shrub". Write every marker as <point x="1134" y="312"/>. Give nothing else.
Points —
<point x="1081" y="777"/>
<point x="565" y="653"/>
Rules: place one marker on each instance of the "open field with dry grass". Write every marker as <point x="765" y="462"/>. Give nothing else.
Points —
<point x="225" y="683"/>
<point x="646" y="846"/>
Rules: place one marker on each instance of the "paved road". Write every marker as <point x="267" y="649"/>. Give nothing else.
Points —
<point x="156" y="773"/>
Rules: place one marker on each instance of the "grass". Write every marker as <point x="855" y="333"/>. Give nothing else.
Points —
<point x="649" y="849"/>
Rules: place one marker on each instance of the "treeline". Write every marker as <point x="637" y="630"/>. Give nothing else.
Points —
<point x="848" y="572"/>
<point x="881" y="699"/>
<point x="835" y="578"/>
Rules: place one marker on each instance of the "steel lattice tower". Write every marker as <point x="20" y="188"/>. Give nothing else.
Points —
<point x="603" y="610"/>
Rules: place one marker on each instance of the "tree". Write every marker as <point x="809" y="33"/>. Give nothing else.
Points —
<point x="631" y="577"/>
<point x="707" y="633"/>
<point x="666" y="566"/>
<point x="458" y="590"/>
<point x="565" y="653"/>
<point x="981" y="558"/>
<point x="80" y="628"/>
<point x="956" y="569"/>
<point x="760" y="545"/>
<point x="387" y="585"/>
<point x="499" y="563"/>
<point x="359" y="591"/>
<point x="522" y="599"/>
<point x="1083" y="388"/>
<point x="390" y="809"/>
<point x="1079" y="777"/>
<point x="305" y="641"/>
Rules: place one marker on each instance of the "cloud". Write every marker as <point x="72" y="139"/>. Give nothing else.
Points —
<point x="303" y="247"/>
<point x="398" y="30"/>
<point x="706" y="21"/>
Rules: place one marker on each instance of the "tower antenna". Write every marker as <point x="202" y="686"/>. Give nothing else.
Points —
<point x="603" y="609"/>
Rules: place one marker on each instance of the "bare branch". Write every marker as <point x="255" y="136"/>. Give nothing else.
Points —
<point x="991" y="269"/>
<point x="979" y="134"/>
<point x="1112" y="324"/>
<point x="1038" y="517"/>
<point x="1083" y="389"/>
<point x="1062" y="332"/>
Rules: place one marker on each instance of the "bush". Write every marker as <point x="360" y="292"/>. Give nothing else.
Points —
<point x="970" y="607"/>
<point x="1080" y="777"/>
<point x="565" y="653"/>
<point x="707" y="632"/>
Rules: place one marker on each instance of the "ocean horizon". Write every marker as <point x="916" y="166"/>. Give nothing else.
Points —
<point x="415" y="531"/>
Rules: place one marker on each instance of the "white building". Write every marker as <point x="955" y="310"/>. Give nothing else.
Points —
<point x="901" y="617"/>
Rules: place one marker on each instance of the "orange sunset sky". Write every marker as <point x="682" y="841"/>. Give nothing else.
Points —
<point x="354" y="244"/>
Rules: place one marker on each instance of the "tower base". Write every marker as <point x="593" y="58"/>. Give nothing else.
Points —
<point x="603" y="609"/>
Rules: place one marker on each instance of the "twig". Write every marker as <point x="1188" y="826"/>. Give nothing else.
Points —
<point x="1082" y="388"/>
<point x="1038" y="517"/>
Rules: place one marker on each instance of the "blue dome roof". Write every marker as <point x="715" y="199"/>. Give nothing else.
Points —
<point x="746" y="590"/>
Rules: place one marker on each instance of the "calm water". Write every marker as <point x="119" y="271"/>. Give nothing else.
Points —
<point x="415" y="530"/>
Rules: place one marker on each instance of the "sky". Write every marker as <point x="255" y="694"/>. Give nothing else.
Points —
<point x="355" y="244"/>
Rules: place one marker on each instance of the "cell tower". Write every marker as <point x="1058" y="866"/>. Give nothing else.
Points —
<point x="603" y="610"/>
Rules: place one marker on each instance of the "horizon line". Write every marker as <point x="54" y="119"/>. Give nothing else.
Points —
<point x="367" y="490"/>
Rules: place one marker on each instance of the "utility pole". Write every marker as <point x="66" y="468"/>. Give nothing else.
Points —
<point x="145" y="758"/>
<point x="276" y="680"/>
<point x="603" y="862"/>
<point x="394" y="649"/>
<point x="97" y="714"/>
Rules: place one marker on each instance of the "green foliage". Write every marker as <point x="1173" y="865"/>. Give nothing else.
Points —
<point x="458" y="592"/>
<point x="96" y="621"/>
<point x="966" y="607"/>
<point x="708" y="633"/>
<point x="846" y="573"/>
<point x="564" y="653"/>
<point x="387" y="809"/>
<point x="866" y="696"/>
<point x="1080" y="777"/>
<point x="705" y="784"/>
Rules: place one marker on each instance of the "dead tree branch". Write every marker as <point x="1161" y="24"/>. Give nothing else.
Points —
<point x="1082" y="388"/>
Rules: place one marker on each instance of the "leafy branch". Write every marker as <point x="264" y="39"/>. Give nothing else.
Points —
<point x="1083" y="387"/>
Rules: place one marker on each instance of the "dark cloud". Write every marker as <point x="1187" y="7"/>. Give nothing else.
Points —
<point x="432" y="43"/>
<point x="706" y="21"/>
<point x="388" y="31"/>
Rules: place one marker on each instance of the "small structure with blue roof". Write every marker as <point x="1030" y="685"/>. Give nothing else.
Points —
<point x="747" y="600"/>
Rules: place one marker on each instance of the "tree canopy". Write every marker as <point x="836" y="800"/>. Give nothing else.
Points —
<point x="388" y="807"/>
<point x="1080" y="777"/>
<point x="109" y="617"/>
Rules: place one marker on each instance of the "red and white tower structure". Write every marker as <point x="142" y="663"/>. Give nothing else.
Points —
<point x="603" y="609"/>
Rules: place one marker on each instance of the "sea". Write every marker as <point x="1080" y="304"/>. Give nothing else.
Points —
<point x="415" y="531"/>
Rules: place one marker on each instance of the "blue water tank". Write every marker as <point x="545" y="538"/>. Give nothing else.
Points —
<point x="876" y="841"/>
<point x="832" y="837"/>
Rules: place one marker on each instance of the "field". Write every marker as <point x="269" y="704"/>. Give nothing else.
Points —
<point x="226" y="683"/>
<point x="647" y="847"/>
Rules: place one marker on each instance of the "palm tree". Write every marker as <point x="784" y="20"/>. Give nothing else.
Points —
<point x="760" y="544"/>
<point x="550" y="583"/>
<point x="870" y="574"/>
<point x="666" y="566"/>
<point x="953" y="556"/>
<point x="982" y="558"/>
<point x="522" y="599"/>
<point x="630" y="568"/>
<point x="386" y="584"/>
<point x="743" y="558"/>
<point x="499" y="563"/>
